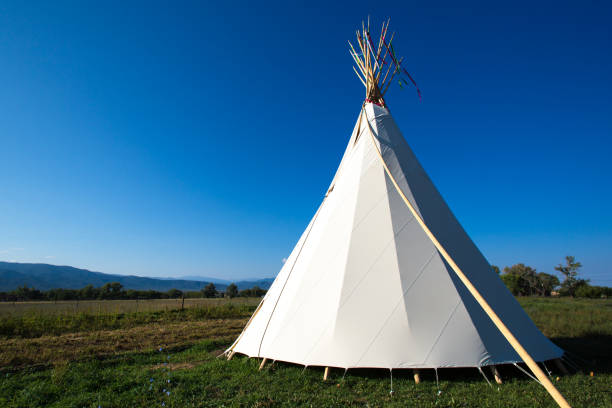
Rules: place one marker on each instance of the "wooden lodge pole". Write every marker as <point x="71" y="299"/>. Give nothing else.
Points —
<point x="325" y="373"/>
<point x="496" y="375"/>
<point x="417" y="377"/>
<point x="263" y="363"/>
<point x="543" y="378"/>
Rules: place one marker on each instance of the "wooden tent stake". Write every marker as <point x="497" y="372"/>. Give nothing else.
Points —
<point x="325" y="373"/>
<point x="263" y="362"/>
<point x="498" y="378"/>
<point x="417" y="377"/>
<point x="471" y="288"/>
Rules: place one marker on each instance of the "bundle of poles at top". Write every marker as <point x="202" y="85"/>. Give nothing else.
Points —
<point x="371" y="64"/>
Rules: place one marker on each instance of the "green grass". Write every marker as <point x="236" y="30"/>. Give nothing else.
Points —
<point x="119" y="378"/>
<point x="570" y="317"/>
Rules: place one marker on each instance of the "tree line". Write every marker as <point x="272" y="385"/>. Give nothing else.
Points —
<point x="116" y="291"/>
<point x="523" y="280"/>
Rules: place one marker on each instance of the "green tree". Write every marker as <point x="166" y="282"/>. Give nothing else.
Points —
<point x="512" y="282"/>
<point x="25" y="293"/>
<point x="256" y="291"/>
<point x="524" y="279"/>
<point x="495" y="269"/>
<point x="570" y="271"/>
<point x="547" y="283"/>
<point x="111" y="290"/>
<point x="88" y="292"/>
<point x="231" y="291"/>
<point x="174" y="293"/>
<point x="593" y="292"/>
<point x="209" y="291"/>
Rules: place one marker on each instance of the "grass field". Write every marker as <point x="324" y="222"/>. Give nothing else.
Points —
<point x="113" y="359"/>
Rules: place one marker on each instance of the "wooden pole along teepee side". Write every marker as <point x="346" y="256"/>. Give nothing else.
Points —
<point x="370" y="65"/>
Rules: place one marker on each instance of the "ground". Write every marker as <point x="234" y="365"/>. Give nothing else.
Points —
<point x="168" y="357"/>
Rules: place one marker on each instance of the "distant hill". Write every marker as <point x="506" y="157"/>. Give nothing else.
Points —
<point x="262" y="283"/>
<point x="205" y="279"/>
<point x="246" y="284"/>
<point x="45" y="277"/>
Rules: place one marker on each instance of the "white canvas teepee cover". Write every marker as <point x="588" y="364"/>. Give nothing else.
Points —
<point x="365" y="286"/>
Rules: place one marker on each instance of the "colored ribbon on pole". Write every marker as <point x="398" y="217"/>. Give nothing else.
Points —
<point x="398" y="66"/>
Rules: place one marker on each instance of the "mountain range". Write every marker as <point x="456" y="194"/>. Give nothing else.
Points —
<point x="45" y="277"/>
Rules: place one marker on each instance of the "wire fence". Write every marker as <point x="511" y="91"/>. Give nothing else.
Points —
<point x="115" y="306"/>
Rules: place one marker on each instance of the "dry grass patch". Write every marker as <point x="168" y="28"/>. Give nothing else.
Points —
<point x="178" y="366"/>
<point x="20" y="353"/>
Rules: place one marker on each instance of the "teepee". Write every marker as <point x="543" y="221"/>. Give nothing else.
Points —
<point x="384" y="275"/>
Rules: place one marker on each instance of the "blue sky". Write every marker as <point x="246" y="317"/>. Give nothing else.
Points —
<point x="164" y="140"/>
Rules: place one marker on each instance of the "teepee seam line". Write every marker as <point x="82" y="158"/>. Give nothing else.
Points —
<point x="395" y="235"/>
<point x="402" y="175"/>
<point x="425" y="265"/>
<point x="313" y="286"/>
<point x="347" y="152"/>
<point x="348" y="297"/>
<point x="289" y="275"/>
<point x="346" y="158"/>
<point x="363" y="218"/>
<point x="443" y="329"/>
<point x="371" y="162"/>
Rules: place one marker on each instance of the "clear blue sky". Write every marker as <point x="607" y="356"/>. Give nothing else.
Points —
<point x="165" y="140"/>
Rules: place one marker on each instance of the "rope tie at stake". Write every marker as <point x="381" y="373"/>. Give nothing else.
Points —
<point x="485" y="377"/>
<point x="527" y="373"/>
<point x="544" y="380"/>
<point x="546" y="368"/>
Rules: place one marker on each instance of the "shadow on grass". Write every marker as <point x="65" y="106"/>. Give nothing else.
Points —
<point x="588" y="352"/>
<point x="592" y="352"/>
